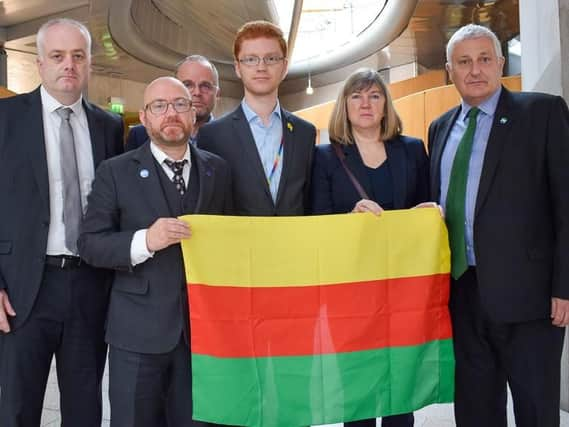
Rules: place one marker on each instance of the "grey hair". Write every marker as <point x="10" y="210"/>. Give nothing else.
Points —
<point x="472" y="31"/>
<point x="202" y="60"/>
<point x="61" y="21"/>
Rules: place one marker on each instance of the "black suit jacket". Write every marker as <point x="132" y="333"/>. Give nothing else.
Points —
<point x="231" y="138"/>
<point x="333" y="191"/>
<point x="145" y="313"/>
<point x="24" y="188"/>
<point x="521" y="223"/>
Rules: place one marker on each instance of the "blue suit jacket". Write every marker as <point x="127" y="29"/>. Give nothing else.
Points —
<point x="136" y="137"/>
<point x="333" y="192"/>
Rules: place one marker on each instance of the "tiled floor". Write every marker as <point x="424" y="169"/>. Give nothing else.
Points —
<point x="431" y="416"/>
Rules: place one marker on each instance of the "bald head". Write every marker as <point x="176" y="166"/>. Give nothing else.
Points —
<point x="162" y="84"/>
<point x="168" y="115"/>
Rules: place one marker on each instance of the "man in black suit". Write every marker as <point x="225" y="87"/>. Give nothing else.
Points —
<point x="268" y="149"/>
<point x="506" y="201"/>
<point x="200" y="76"/>
<point x="131" y="227"/>
<point x="51" y="303"/>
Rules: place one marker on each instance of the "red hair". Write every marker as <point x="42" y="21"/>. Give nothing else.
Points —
<point x="255" y="30"/>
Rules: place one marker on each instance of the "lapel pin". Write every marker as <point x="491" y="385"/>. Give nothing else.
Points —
<point x="503" y="120"/>
<point x="144" y="173"/>
<point x="289" y="126"/>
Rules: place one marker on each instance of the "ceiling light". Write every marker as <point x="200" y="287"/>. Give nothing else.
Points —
<point x="309" y="89"/>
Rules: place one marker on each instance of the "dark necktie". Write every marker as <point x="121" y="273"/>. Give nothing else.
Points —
<point x="72" y="211"/>
<point x="456" y="198"/>
<point x="178" y="169"/>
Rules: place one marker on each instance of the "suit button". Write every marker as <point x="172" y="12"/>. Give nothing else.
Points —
<point x="45" y="224"/>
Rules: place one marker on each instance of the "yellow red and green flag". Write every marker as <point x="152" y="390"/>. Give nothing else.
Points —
<point x="300" y="321"/>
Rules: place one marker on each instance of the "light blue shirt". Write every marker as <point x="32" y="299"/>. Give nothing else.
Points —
<point x="268" y="140"/>
<point x="483" y="128"/>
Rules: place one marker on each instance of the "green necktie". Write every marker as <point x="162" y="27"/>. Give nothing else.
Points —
<point x="456" y="198"/>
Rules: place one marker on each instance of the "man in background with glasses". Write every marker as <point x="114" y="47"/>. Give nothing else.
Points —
<point x="202" y="80"/>
<point x="269" y="150"/>
<point x="131" y="226"/>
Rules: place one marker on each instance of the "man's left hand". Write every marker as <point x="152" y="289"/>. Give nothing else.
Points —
<point x="560" y="312"/>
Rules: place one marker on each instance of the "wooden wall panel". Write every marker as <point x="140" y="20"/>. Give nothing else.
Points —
<point x="436" y="102"/>
<point x="417" y="84"/>
<point x="411" y="109"/>
<point x="5" y="93"/>
<point x="439" y="100"/>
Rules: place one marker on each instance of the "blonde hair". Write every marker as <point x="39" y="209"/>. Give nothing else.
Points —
<point x="340" y="128"/>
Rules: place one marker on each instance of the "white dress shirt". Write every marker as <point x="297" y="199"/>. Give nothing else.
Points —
<point x="138" y="250"/>
<point x="85" y="165"/>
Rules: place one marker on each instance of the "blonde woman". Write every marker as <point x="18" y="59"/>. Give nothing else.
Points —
<point x="369" y="166"/>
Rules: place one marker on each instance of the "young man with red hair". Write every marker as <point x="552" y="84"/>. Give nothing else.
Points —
<point x="268" y="149"/>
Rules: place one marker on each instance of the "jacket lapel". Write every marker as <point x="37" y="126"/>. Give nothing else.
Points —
<point x="148" y="181"/>
<point x="504" y="117"/>
<point x="96" y="132"/>
<point x="249" y="149"/>
<point x="395" y="151"/>
<point x="33" y="137"/>
<point x="437" y="154"/>
<point x="289" y="148"/>
<point x="206" y="178"/>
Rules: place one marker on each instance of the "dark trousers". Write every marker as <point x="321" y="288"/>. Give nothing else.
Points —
<point x="403" y="420"/>
<point x="151" y="390"/>
<point x="489" y="355"/>
<point x="67" y="320"/>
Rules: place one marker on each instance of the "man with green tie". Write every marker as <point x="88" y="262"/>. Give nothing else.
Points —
<point x="499" y="168"/>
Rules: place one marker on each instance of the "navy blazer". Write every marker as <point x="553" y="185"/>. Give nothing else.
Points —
<point x="521" y="231"/>
<point x="137" y="136"/>
<point x="230" y="137"/>
<point x="333" y="191"/>
<point x="24" y="186"/>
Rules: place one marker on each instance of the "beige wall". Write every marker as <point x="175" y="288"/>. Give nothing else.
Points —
<point x="22" y="72"/>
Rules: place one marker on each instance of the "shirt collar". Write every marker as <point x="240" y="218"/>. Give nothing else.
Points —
<point x="250" y="115"/>
<point x="160" y="155"/>
<point x="488" y="107"/>
<point x="51" y="104"/>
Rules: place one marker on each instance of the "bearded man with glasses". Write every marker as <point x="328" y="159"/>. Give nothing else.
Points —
<point x="268" y="149"/>
<point x="131" y="227"/>
<point x="201" y="78"/>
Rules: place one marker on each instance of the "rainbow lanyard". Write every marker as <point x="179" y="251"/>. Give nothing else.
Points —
<point x="276" y="162"/>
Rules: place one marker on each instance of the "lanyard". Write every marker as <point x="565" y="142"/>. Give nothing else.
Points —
<point x="276" y="162"/>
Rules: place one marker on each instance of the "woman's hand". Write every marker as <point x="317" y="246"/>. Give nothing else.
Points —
<point x="430" y="205"/>
<point x="365" y="205"/>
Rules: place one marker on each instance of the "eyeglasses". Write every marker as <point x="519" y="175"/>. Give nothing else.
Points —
<point x="204" y="87"/>
<point x="253" y="61"/>
<point x="160" y="106"/>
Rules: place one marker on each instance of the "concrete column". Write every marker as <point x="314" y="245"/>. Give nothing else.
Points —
<point x="3" y="67"/>
<point x="544" y="29"/>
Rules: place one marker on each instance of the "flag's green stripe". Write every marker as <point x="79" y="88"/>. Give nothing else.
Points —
<point x="310" y="390"/>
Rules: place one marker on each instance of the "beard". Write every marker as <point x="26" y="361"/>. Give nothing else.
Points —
<point x="170" y="133"/>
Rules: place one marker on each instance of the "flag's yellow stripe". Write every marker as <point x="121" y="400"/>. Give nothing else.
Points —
<point x="315" y="250"/>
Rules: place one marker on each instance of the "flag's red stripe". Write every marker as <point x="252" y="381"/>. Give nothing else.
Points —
<point x="285" y="321"/>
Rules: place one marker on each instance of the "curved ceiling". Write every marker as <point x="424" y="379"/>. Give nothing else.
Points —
<point x="140" y="40"/>
<point x="161" y="32"/>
